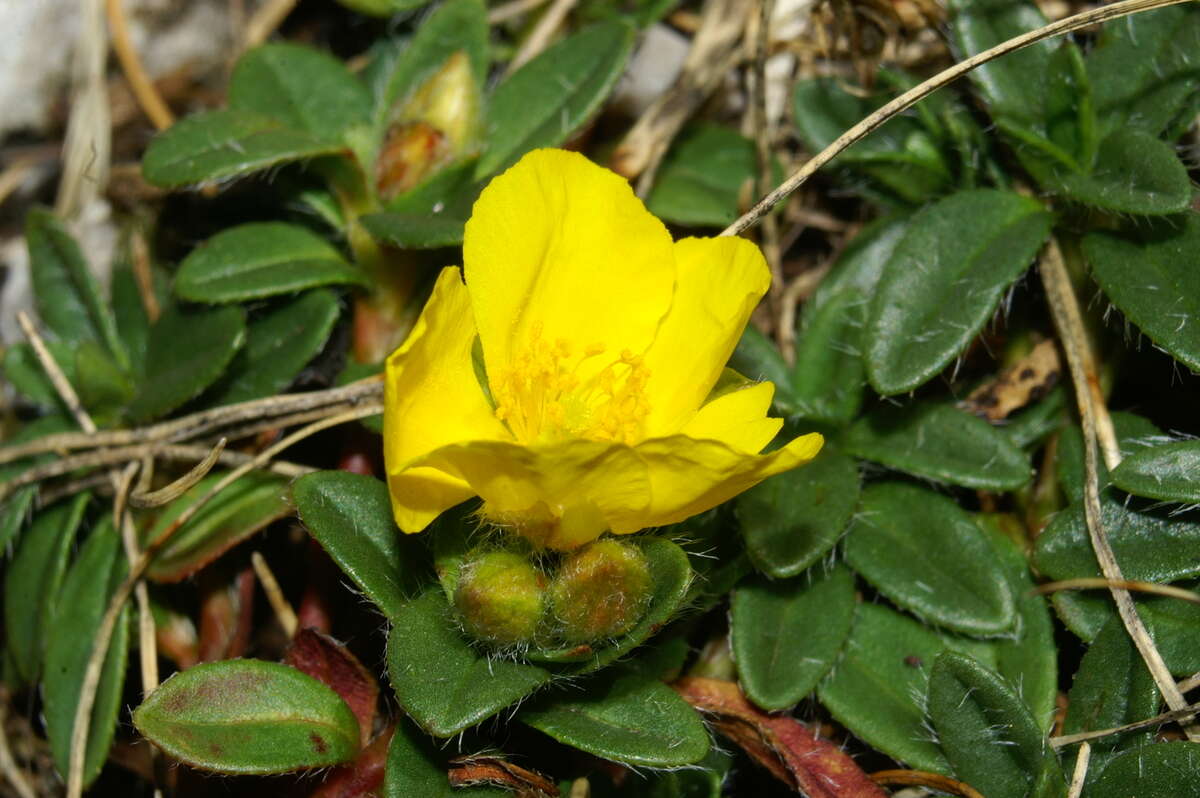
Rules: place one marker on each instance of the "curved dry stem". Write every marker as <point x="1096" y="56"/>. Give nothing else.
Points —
<point x="1134" y="585"/>
<point x="1064" y="308"/>
<point x="147" y="95"/>
<point x="909" y="98"/>
<point x="157" y="498"/>
<point x="202" y="422"/>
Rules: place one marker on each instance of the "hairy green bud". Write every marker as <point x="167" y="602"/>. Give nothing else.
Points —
<point x="501" y="598"/>
<point x="600" y="591"/>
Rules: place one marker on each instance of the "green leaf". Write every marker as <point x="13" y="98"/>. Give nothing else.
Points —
<point x="213" y="145"/>
<point x="1163" y="770"/>
<point x="32" y="582"/>
<point x="1149" y="544"/>
<point x="529" y="111"/>
<point x="186" y="353"/>
<point x="1028" y="660"/>
<point x="68" y="297"/>
<point x="133" y="325"/>
<point x="457" y="25"/>
<point x="902" y="155"/>
<point x="415" y="767"/>
<point x="248" y="716"/>
<point x="236" y="513"/>
<point x="791" y="520"/>
<point x="101" y="384"/>
<point x="828" y="381"/>
<point x="1134" y="173"/>
<point x="1032" y="425"/>
<point x="1111" y="688"/>
<point x="987" y="732"/>
<point x="1145" y="68"/>
<point x="701" y="180"/>
<point x="1170" y="472"/>
<point x="1039" y="94"/>
<point x="443" y="683"/>
<point x="279" y="345"/>
<point x="877" y="689"/>
<point x="945" y="280"/>
<point x="86" y="591"/>
<point x="23" y="369"/>
<point x="1161" y="295"/>
<point x="1174" y="625"/>
<point x="919" y="549"/>
<point x="1134" y="434"/>
<point x="938" y="442"/>
<point x="301" y="88"/>
<point x="261" y="259"/>
<point x="415" y="230"/>
<point x="786" y="635"/>
<point x="830" y="377"/>
<point x="625" y="716"/>
<point x="384" y="567"/>
<point x="670" y="574"/>
<point x="14" y="511"/>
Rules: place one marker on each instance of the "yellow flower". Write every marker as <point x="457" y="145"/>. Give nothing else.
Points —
<point x="602" y="340"/>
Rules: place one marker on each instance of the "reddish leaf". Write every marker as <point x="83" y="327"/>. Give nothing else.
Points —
<point x="226" y="613"/>
<point x="780" y="743"/>
<point x="364" y="777"/>
<point x="471" y="771"/>
<point x="327" y="660"/>
<point x="314" y="610"/>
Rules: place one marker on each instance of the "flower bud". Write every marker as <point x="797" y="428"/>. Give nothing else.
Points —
<point x="435" y="126"/>
<point x="600" y="591"/>
<point x="500" y="598"/>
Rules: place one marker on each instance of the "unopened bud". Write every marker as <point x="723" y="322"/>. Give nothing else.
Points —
<point x="500" y="598"/>
<point x="435" y="126"/>
<point x="600" y="591"/>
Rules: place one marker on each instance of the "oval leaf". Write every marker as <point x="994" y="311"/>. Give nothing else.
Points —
<point x="1164" y="770"/>
<point x="1169" y="473"/>
<point x="938" y="442"/>
<point x="186" y="353"/>
<point x="218" y="144"/>
<point x="443" y="683"/>
<point x="946" y="277"/>
<point x="1134" y="434"/>
<point x="32" y="582"/>
<point x="93" y="578"/>
<point x="527" y="111"/>
<point x="786" y="635"/>
<point x="1153" y="279"/>
<point x="261" y="259"/>
<point x="278" y="346"/>
<point x="1111" y="688"/>
<point x="300" y="87"/>
<point x="929" y="557"/>
<point x="248" y="716"/>
<point x="1134" y="173"/>
<point x="701" y="179"/>
<point x="986" y="731"/>
<point x="236" y="513"/>
<point x="877" y="688"/>
<point x="791" y="519"/>
<point x="374" y="557"/>
<point x="627" y="717"/>
<point x="68" y="297"/>
<point x="1149" y="544"/>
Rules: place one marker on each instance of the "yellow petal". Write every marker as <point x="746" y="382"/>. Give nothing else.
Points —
<point x="719" y="281"/>
<point x="558" y="248"/>
<point x="737" y="418"/>
<point x="562" y="495"/>
<point x="432" y="398"/>
<point x="689" y="476"/>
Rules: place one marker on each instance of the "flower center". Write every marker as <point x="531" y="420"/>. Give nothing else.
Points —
<point x="548" y="394"/>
